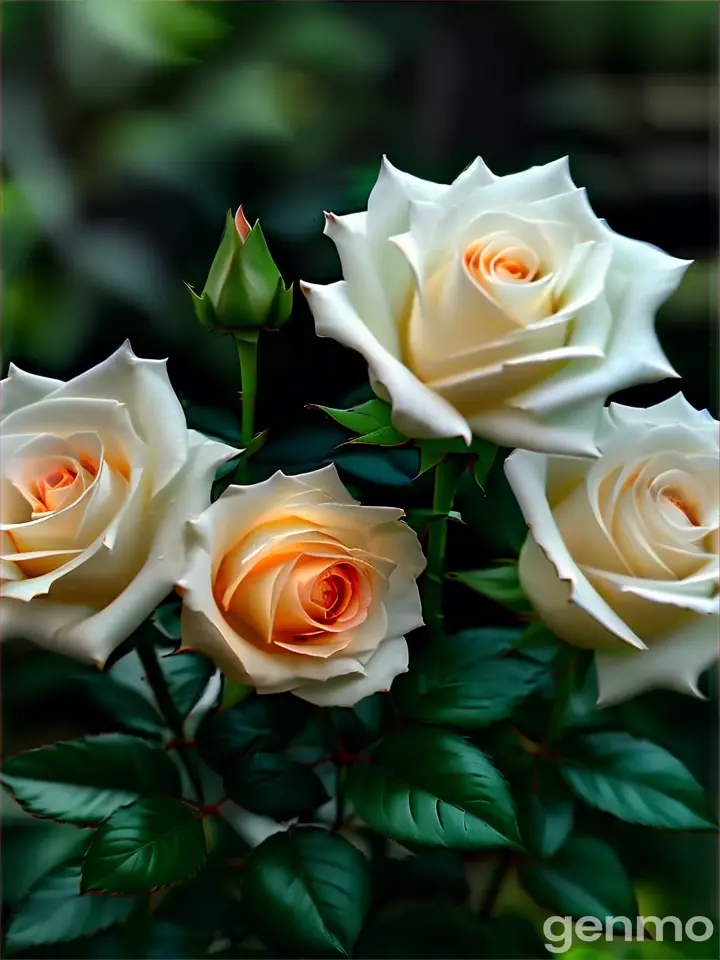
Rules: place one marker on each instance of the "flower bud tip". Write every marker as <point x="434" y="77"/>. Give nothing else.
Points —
<point x="242" y="224"/>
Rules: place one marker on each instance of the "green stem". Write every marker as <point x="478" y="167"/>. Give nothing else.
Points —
<point x="447" y="474"/>
<point x="247" y="348"/>
<point x="496" y="881"/>
<point x="156" y="678"/>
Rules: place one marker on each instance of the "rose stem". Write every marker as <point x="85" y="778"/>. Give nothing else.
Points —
<point x="156" y="679"/>
<point x="247" y="348"/>
<point x="447" y="474"/>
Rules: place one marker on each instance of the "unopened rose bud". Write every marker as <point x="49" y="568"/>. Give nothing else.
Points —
<point x="244" y="289"/>
<point x="242" y="224"/>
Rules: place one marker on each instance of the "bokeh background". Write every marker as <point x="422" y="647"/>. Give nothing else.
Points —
<point x="131" y="127"/>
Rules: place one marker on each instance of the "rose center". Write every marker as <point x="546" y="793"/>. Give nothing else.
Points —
<point x="690" y="510"/>
<point x="484" y="261"/>
<point x="55" y="479"/>
<point x="332" y="592"/>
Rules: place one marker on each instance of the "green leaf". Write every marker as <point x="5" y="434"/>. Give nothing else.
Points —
<point x="538" y="643"/>
<point x="119" y="702"/>
<point x="585" y="878"/>
<point x="33" y="847"/>
<point x="308" y="892"/>
<point x="233" y="693"/>
<point x="635" y="780"/>
<point x="152" y="843"/>
<point x="484" y="454"/>
<point x="85" y="781"/>
<point x="480" y="453"/>
<point x="275" y="785"/>
<point x="419" y="518"/>
<point x="545" y="813"/>
<point x="257" y="723"/>
<point x="455" y="682"/>
<point x="411" y="931"/>
<point x="187" y="675"/>
<point x="360" y="725"/>
<point x="500" y="584"/>
<point x="166" y="619"/>
<point x="390" y="468"/>
<point x="53" y="911"/>
<point x="364" y="418"/>
<point x="432" y="451"/>
<point x="382" y="437"/>
<point x="576" y="691"/>
<point x="425" y="785"/>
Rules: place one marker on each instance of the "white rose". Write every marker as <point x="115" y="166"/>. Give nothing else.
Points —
<point x="622" y="555"/>
<point x="99" y="476"/>
<point x="499" y="306"/>
<point x="293" y="585"/>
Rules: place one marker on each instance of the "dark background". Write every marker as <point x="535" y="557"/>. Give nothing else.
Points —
<point x="131" y="127"/>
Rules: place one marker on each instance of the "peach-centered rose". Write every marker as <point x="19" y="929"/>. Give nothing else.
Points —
<point x="499" y="306"/>
<point x="98" y="476"/>
<point x="622" y="554"/>
<point x="295" y="586"/>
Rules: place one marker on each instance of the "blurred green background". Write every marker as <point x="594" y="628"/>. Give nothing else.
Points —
<point x="131" y="127"/>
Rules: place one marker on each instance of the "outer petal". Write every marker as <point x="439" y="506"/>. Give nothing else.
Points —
<point x="555" y="585"/>
<point x="95" y="637"/>
<point x="390" y="197"/>
<point x="570" y="433"/>
<point x="675" y="409"/>
<point x="417" y="411"/>
<point x="42" y="621"/>
<point x="144" y="387"/>
<point x="640" y="279"/>
<point x="390" y="659"/>
<point x="19" y="389"/>
<point x="675" y="662"/>
<point x="361" y="260"/>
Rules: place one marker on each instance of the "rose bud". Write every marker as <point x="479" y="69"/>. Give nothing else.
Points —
<point x="244" y="289"/>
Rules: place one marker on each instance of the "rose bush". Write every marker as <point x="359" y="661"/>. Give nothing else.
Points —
<point x="294" y="586"/>
<point x="499" y="306"/>
<point x="99" y="475"/>
<point x="622" y="554"/>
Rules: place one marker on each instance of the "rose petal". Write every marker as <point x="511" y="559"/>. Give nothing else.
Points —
<point x="674" y="662"/>
<point x="19" y="389"/>
<point x="552" y="580"/>
<point x="417" y="411"/>
<point x="156" y="413"/>
<point x="95" y="637"/>
<point x="390" y="660"/>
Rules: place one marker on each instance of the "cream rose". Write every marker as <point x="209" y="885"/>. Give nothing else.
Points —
<point x="498" y="306"/>
<point x="622" y="554"/>
<point x="99" y="475"/>
<point x="293" y="585"/>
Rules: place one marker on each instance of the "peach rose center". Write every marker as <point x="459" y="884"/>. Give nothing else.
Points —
<point x="513" y="262"/>
<point x="43" y="488"/>
<point x="295" y="600"/>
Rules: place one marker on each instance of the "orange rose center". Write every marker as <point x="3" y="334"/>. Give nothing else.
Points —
<point x="689" y="509"/>
<point x="333" y="591"/>
<point x="481" y="261"/>
<point x="55" y="479"/>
